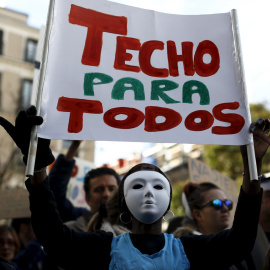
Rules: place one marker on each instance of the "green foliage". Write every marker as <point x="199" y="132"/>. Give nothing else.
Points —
<point x="227" y="159"/>
<point x="176" y="203"/>
<point x="259" y="110"/>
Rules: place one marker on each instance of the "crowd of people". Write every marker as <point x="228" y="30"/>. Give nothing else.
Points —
<point x="123" y="228"/>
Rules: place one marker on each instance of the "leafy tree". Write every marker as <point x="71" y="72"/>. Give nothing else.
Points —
<point x="227" y="159"/>
<point x="176" y="203"/>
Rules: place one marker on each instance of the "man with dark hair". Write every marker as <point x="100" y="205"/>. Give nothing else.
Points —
<point x="97" y="173"/>
<point x="98" y="185"/>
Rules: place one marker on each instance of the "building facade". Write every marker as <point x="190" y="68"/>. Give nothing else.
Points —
<point x="18" y="44"/>
<point x="171" y="158"/>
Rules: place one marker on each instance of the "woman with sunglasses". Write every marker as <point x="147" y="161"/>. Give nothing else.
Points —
<point x="144" y="198"/>
<point x="207" y="207"/>
<point x="208" y="212"/>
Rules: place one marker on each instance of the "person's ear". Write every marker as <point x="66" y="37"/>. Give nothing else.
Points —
<point x="196" y="213"/>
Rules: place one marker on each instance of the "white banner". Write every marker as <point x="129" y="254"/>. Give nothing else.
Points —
<point x="199" y="172"/>
<point x="121" y="73"/>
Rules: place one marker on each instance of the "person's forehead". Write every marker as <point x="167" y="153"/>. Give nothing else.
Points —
<point x="214" y="194"/>
<point x="103" y="180"/>
<point x="148" y="176"/>
<point x="6" y="235"/>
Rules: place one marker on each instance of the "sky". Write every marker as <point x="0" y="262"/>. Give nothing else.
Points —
<point x="254" y="23"/>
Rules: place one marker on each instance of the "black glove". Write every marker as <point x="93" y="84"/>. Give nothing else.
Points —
<point x="20" y="133"/>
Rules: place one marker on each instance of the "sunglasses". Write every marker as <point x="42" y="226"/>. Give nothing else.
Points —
<point x="218" y="204"/>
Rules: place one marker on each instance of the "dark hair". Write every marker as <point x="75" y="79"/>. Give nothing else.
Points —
<point x="6" y="228"/>
<point x="195" y="198"/>
<point x="194" y="193"/>
<point x="16" y="222"/>
<point x="136" y="168"/>
<point x="95" y="173"/>
<point x="174" y="224"/>
<point x="109" y="212"/>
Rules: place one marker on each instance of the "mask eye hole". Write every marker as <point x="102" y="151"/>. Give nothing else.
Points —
<point x="137" y="186"/>
<point x="159" y="187"/>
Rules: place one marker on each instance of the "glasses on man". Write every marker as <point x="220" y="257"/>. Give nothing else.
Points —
<point x="218" y="204"/>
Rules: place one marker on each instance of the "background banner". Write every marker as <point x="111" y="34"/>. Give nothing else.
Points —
<point x="199" y="172"/>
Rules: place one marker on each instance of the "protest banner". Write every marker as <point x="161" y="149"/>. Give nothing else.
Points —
<point x="75" y="192"/>
<point x="120" y="73"/>
<point x="199" y="172"/>
<point x="15" y="202"/>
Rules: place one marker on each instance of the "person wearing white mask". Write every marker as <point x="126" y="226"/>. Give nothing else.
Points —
<point x="144" y="197"/>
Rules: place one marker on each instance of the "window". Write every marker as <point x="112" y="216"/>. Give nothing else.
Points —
<point x="31" y="48"/>
<point x="26" y="93"/>
<point x="1" y="42"/>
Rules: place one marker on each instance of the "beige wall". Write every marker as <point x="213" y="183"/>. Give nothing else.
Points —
<point x="87" y="150"/>
<point x="6" y="143"/>
<point x="14" y="69"/>
<point x="11" y="92"/>
<point x="15" y="45"/>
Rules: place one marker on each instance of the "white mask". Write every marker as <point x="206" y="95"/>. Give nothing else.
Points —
<point x="147" y="195"/>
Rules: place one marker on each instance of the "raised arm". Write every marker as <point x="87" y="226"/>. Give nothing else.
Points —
<point x="72" y="150"/>
<point x="220" y="251"/>
<point x="260" y="130"/>
<point x="59" y="177"/>
<point x="70" y="249"/>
